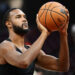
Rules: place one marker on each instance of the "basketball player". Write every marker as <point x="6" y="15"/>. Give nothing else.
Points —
<point x="16" y="58"/>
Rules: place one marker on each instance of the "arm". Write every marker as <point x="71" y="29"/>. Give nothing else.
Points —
<point x="15" y="58"/>
<point x="25" y="59"/>
<point x="53" y="63"/>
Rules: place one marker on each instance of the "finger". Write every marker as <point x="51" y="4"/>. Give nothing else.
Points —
<point x="37" y="18"/>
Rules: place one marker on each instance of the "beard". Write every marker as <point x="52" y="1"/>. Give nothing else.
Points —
<point x="20" y="31"/>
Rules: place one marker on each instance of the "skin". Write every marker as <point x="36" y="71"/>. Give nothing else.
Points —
<point x="8" y="53"/>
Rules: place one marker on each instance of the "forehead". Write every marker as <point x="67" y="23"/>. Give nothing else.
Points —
<point x="16" y="12"/>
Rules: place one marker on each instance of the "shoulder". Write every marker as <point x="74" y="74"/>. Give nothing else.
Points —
<point x="5" y="46"/>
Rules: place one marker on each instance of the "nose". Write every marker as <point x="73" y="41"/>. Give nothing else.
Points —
<point x="24" y="19"/>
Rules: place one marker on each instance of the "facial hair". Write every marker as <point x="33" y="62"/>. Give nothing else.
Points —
<point x="20" y="31"/>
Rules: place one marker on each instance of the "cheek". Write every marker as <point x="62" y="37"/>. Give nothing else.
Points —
<point x="16" y="22"/>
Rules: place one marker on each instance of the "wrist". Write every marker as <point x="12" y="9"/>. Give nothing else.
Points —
<point x="64" y="34"/>
<point x="45" y="32"/>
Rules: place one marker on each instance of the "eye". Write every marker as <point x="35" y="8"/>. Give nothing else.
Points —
<point x="18" y="16"/>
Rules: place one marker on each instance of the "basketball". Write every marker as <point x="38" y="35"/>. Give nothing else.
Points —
<point x="53" y="15"/>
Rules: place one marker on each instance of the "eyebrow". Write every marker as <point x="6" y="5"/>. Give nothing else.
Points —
<point x="20" y="15"/>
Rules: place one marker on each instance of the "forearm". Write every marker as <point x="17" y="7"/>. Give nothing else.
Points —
<point x="34" y="50"/>
<point x="64" y="52"/>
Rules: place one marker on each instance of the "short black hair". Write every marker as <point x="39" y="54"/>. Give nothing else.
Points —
<point x="5" y="18"/>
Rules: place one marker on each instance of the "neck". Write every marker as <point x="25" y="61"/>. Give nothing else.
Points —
<point x="18" y="40"/>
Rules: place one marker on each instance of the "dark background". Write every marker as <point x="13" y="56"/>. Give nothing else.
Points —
<point x="51" y="46"/>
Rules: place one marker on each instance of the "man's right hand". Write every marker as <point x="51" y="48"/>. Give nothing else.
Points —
<point x="41" y="27"/>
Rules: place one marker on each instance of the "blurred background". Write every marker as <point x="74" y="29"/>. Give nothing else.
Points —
<point x="51" y="45"/>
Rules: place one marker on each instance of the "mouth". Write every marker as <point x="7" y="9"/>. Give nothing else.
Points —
<point x="25" y="25"/>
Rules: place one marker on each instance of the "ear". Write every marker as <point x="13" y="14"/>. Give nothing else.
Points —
<point x="8" y="24"/>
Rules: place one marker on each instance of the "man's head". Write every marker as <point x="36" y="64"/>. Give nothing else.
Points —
<point x="16" y="21"/>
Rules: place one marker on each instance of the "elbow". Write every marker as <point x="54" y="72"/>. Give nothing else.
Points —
<point x="64" y="69"/>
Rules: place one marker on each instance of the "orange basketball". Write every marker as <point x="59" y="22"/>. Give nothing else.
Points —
<point x="53" y="15"/>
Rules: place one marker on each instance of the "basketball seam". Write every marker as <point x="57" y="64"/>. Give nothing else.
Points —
<point x="54" y="20"/>
<point x="42" y="12"/>
<point x="46" y="15"/>
<point x="59" y="14"/>
<point x="55" y="7"/>
<point x="55" y="12"/>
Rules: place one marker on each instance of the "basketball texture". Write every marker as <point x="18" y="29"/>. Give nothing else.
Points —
<point x="53" y="15"/>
